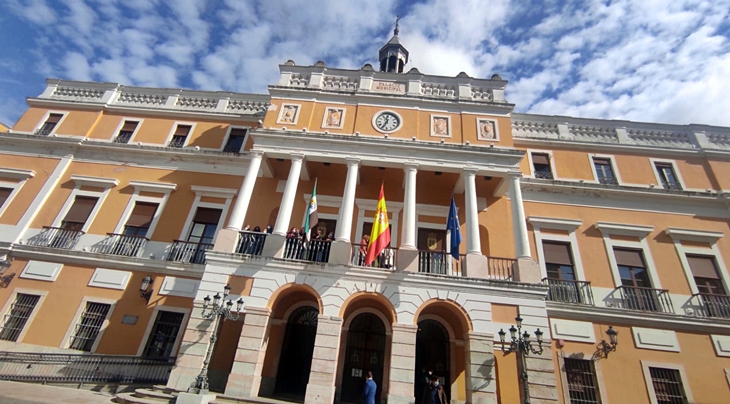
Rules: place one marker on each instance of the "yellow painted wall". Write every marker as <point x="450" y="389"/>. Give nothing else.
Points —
<point x="30" y="119"/>
<point x="56" y="313"/>
<point x="3" y="127"/>
<point x="43" y="168"/>
<point x="624" y="378"/>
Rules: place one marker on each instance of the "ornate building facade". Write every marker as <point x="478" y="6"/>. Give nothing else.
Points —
<point x="122" y="208"/>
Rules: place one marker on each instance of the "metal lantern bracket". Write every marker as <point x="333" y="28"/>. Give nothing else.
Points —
<point x="604" y="348"/>
<point x="143" y="288"/>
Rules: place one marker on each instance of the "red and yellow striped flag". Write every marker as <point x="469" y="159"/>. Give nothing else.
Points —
<point x="380" y="235"/>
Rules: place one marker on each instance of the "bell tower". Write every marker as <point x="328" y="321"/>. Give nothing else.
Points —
<point x="393" y="55"/>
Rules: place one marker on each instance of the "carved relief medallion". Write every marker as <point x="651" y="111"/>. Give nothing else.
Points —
<point x="289" y="114"/>
<point x="333" y="118"/>
<point x="487" y="129"/>
<point x="440" y="126"/>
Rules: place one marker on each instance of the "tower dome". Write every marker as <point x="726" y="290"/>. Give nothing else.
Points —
<point x="393" y="55"/>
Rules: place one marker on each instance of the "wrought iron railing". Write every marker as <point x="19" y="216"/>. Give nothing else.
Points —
<point x="123" y="137"/>
<point x="547" y="175"/>
<point x="187" y="251"/>
<point x="312" y="250"/>
<point x="56" y="237"/>
<point x="439" y="262"/>
<point x="251" y="243"/>
<point x="386" y="259"/>
<point x="709" y="305"/>
<point x="43" y="132"/>
<point x="177" y="142"/>
<point x="608" y="181"/>
<point x="568" y="291"/>
<point x="672" y="185"/>
<point x="501" y="268"/>
<point x="66" y="368"/>
<point x="121" y="244"/>
<point x="646" y="299"/>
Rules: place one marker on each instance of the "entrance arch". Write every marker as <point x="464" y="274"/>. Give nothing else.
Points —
<point x="295" y="361"/>
<point x="433" y="353"/>
<point x="365" y="350"/>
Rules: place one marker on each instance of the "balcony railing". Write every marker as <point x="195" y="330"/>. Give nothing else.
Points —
<point x="123" y="137"/>
<point x="671" y="185"/>
<point x="56" y="237"/>
<point x="121" y="244"/>
<point x="386" y="259"/>
<point x="65" y="368"/>
<point x="708" y="305"/>
<point x="177" y="142"/>
<point x="43" y="132"/>
<point x="501" y="268"/>
<point x="312" y="250"/>
<point x="567" y="291"/>
<point x="608" y="181"/>
<point x="187" y="251"/>
<point x="646" y="299"/>
<point x="440" y="262"/>
<point x="251" y="243"/>
<point x="546" y="175"/>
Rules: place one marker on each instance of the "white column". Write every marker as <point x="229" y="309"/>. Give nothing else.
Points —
<point x="522" y="243"/>
<point x="290" y="191"/>
<point x="344" y="221"/>
<point x="244" y="194"/>
<point x="409" y="208"/>
<point x="473" y="244"/>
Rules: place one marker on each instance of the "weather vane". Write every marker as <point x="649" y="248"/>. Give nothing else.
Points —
<point x="397" y="19"/>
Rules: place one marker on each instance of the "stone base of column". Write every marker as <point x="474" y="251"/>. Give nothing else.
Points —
<point x="226" y="241"/>
<point x="541" y="377"/>
<point x="475" y="266"/>
<point x="193" y="347"/>
<point x="321" y="386"/>
<point x="527" y="270"/>
<point x="319" y="394"/>
<point x="192" y="398"/>
<point x="481" y="380"/>
<point x="274" y="246"/>
<point x="402" y="363"/>
<point x="243" y="385"/>
<point x="245" y="377"/>
<point x="340" y="253"/>
<point x="407" y="260"/>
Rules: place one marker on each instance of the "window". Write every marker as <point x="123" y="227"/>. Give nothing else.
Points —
<point x="667" y="176"/>
<point x="637" y="292"/>
<point x="180" y="136"/>
<point x="541" y="166"/>
<point x="49" y="125"/>
<point x="235" y="140"/>
<point x="89" y="326"/>
<point x="125" y="134"/>
<point x="581" y="378"/>
<point x="4" y="195"/>
<point x="204" y="225"/>
<point x="668" y="386"/>
<point x="161" y="340"/>
<point x="558" y="261"/>
<point x="705" y="274"/>
<point x="17" y="316"/>
<point x="139" y="221"/>
<point x="604" y="171"/>
<point x="79" y="213"/>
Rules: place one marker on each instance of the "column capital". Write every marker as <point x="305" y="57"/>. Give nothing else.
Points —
<point x="352" y="161"/>
<point x="261" y="311"/>
<point x="410" y="167"/>
<point x="256" y="154"/>
<point x="296" y="157"/>
<point x="470" y="171"/>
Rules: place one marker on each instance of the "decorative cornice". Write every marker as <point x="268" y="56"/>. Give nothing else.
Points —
<point x="17" y="174"/>
<point x="702" y="236"/>
<point x="554" y="223"/>
<point x="148" y="186"/>
<point x="214" y="192"/>
<point x="101" y="182"/>
<point x="622" y="229"/>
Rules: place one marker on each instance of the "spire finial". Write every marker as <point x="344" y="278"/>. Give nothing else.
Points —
<point x="396" y="30"/>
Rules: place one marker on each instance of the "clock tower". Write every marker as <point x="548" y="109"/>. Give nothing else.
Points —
<point x="393" y="55"/>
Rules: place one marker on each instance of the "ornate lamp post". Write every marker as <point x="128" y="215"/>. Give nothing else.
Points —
<point x="219" y="312"/>
<point x="521" y="344"/>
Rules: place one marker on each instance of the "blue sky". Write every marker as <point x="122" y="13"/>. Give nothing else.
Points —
<point x="644" y="60"/>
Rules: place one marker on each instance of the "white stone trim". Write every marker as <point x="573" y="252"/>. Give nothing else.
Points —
<point x="711" y="252"/>
<point x="551" y="160"/>
<point x="110" y="279"/>
<point x="571" y="239"/>
<point x="342" y="117"/>
<point x="66" y="342"/>
<point x="9" y="303"/>
<point x="228" y="135"/>
<point x="642" y="245"/>
<point x="381" y="316"/>
<point x="121" y="124"/>
<point x="622" y="229"/>
<point x="175" y="124"/>
<point x="41" y="271"/>
<point x="16" y="173"/>
<point x="555" y="223"/>
<point x="285" y="318"/>
<point x="209" y="192"/>
<point x="600" y="385"/>
<point x="295" y="118"/>
<point x="58" y="125"/>
<point x="223" y="193"/>
<point x="148" y="186"/>
<point x="721" y="344"/>
<point x="69" y="202"/>
<point x="673" y="163"/>
<point x="151" y="324"/>
<point x="570" y="330"/>
<point x="495" y="126"/>
<point x="99" y="182"/>
<point x="645" y="365"/>
<point x="181" y="287"/>
<point x="652" y="338"/>
<point x="377" y="114"/>
<point x="702" y="236"/>
<point x="136" y="197"/>
<point x="433" y="118"/>
<point x="611" y="160"/>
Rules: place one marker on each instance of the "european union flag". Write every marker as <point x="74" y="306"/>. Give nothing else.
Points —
<point x="452" y="225"/>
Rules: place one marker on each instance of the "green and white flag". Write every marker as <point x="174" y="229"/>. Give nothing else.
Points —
<point x="312" y="218"/>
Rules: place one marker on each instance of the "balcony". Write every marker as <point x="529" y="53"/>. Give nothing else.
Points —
<point x="709" y="305"/>
<point x="608" y="181"/>
<point x="645" y="299"/>
<point x="385" y="260"/>
<point x="251" y="243"/>
<point x="56" y="237"/>
<point x="186" y="251"/>
<point x="177" y="142"/>
<point x="440" y="263"/>
<point x="501" y="268"/>
<point x="123" y="137"/>
<point x="121" y="244"/>
<point x="545" y="175"/>
<point x="43" y="132"/>
<point x="568" y="291"/>
<point x="313" y="250"/>
<point x="673" y="185"/>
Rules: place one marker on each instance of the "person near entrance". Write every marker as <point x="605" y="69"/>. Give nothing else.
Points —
<point x="370" y="389"/>
<point x="438" y="395"/>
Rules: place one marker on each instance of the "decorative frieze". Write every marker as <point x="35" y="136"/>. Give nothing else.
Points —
<point x="439" y="90"/>
<point x="247" y="107"/>
<point x="340" y="83"/>
<point x="593" y="133"/>
<point x="196" y="103"/>
<point x="660" y="138"/>
<point x="78" y="94"/>
<point x="534" y="129"/>
<point x="142" y="99"/>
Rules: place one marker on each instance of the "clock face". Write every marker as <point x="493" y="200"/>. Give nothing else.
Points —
<point x="387" y="121"/>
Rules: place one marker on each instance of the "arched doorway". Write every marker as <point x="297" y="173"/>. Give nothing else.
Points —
<point x="365" y="351"/>
<point x="432" y="354"/>
<point x="295" y="361"/>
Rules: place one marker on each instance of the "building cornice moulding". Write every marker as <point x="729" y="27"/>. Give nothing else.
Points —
<point x="16" y="173"/>
<point x="623" y="229"/>
<point x="554" y="223"/>
<point x="702" y="236"/>
<point x="149" y="186"/>
<point x="99" y="182"/>
<point x="212" y="192"/>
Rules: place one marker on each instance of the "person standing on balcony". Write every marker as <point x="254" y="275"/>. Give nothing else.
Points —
<point x="363" y="249"/>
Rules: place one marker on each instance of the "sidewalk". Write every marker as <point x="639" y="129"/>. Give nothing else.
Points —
<point x="31" y="393"/>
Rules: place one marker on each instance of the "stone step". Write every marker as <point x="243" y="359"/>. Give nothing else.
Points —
<point x="130" y="398"/>
<point x="164" y="389"/>
<point x="224" y="399"/>
<point x="151" y="393"/>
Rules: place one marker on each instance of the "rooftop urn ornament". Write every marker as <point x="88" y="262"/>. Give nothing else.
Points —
<point x="521" y="344"/>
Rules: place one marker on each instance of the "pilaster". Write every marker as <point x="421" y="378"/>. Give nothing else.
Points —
<point x="541" y="377"/>
<point x="193" y="347"/>
<point x="481" y="382"/>
<point x="321" y="386"/>
<point x="245" y="377"/>
<point x="402" y="363"/>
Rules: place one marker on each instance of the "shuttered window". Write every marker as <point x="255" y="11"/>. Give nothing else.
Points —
<point x="79" y="212"/>
<point x="180" y="136"/>
<point x="204" y="225"/>
<point x="164" y="333"/>
<point x="125" y="134"/>
<point x="4" y="195"/>
<point x="667" y="176"/>
<point x="541" y="166"/>
<point x="50" y="124"/>
<point x="235" y="140"/>
<point x="18" y="316"/>
<point x="631" y="267"/>
<point x="705" y="274"/>
<point x="87" y="330"/>
<point x="604" y="171"/>
<point x="558" y="260"/>
<point x="140" y="219"/>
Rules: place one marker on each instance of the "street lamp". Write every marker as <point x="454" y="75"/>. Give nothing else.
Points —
<point x="521" y="344"/>
<point x="219" y="312"/>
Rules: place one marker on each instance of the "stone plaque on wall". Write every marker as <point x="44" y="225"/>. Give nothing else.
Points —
<point x="389" y="87"/>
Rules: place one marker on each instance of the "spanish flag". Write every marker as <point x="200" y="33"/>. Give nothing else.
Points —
<point x="380" y="235"/>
